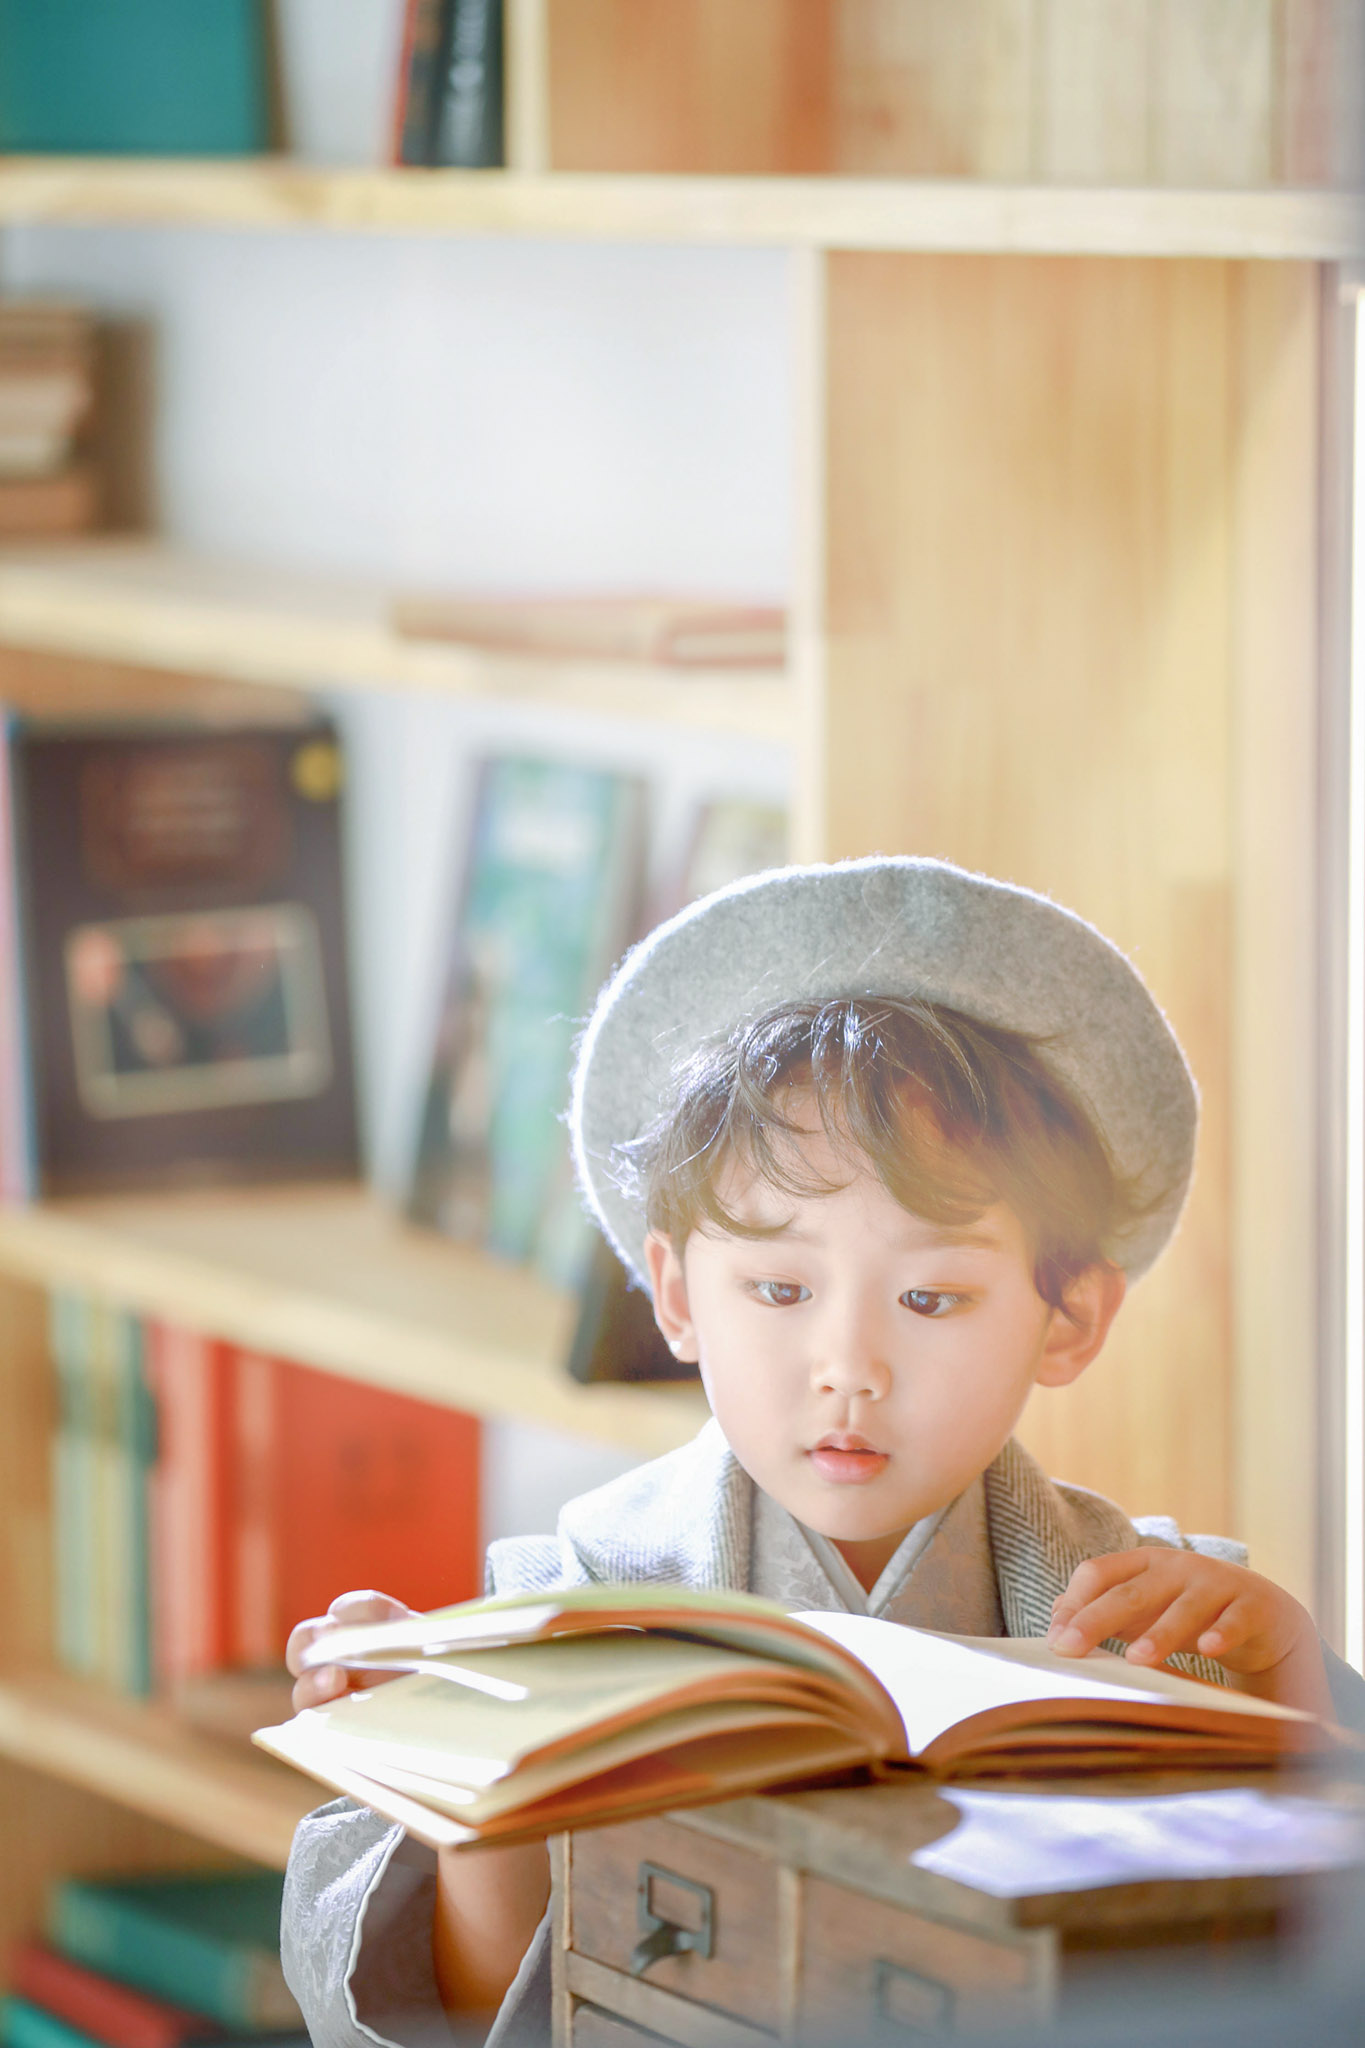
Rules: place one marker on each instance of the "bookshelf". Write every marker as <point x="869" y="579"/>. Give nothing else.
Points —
<point x="906" y="214"/>
<point x="1055" y="615"/>
<point x="327" y="1276"/>
<point x="142" y="1757"/>
<point x="147" y="605"/>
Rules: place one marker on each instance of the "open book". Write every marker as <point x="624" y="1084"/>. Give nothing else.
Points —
<point x="519" y="1717"/>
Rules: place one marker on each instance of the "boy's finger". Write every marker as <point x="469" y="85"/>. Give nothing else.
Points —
<point x="1231" y="1627"/>
<point x="1179" y="1628"/>
<point x="300" y="1639"/>
<point x="350" y="1609"/>
<point x="1124" y="1611"/>
<point x="315" y="1688"/>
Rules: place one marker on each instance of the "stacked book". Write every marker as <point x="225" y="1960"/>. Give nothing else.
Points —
<point x="155" y="1962"/>
<point x="48" y="485"/>
<point x="207" y="1498"/>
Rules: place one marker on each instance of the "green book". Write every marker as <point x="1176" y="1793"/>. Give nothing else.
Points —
<point x="209" y="1943"/>
<point x="133" y="77"/>
<point x="550" y="902"/>
<point x="73" y="1484"/>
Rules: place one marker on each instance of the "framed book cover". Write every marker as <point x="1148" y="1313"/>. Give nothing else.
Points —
<point x="179" y="894"/>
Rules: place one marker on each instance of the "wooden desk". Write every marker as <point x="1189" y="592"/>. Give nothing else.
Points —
<point x="874" y="1912"/>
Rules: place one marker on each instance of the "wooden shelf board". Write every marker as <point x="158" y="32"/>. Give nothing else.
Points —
<point x="836" y="213"/>
<point x="145" y="603"/>
<point x="329" y="1277"/>
<point x="140" y="1756"/>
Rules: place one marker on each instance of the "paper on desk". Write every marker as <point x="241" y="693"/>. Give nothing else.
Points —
<point x="1016" y="1844"/>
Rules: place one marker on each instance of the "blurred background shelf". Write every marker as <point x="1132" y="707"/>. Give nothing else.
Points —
<point x="144" y="1759"/>
<point x="327" y="1276"/>
<point x="924" y="214"/>
<point x="155" y="606"/>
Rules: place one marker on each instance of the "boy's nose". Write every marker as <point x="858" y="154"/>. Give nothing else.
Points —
<point x="853" y="1365"/>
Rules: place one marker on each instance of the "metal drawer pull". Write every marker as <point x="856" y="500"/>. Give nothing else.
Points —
<point x="908" y="2002"/>
<point x="660" y="1937"/>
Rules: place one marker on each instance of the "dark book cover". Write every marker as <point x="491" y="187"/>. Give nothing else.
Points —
<point x="616" y="1336"/>
<point x="425" y="28"/>
<point x="184" y="958"/>
<point x="468" y="125"/>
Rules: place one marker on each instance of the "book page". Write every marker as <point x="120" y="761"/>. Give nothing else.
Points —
<point x="939" y="1682"/>
<point x="545" y="1698"/>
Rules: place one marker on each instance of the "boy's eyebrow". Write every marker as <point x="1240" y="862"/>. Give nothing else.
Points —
<point x="948" y="1237"/>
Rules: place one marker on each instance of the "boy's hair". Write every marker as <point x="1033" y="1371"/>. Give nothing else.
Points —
<point x="951" y="1114"/>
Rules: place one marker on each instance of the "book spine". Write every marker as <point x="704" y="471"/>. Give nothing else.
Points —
<point x="109" y="1518"/>
<point x="234" y="1982"/>
<point x="425" y="31"/>
<point x="188" y="1505"/>
<point x="17" y="1171"/>
<point x="137" y="1448"/>
<point x="256" y="1631"/>
<point x="23" y="2025"/>
<point x="96" y="2006"/>
<point x="73" y="1484"/>
<point x="469" y="111"/>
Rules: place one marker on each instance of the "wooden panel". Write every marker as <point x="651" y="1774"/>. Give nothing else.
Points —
<point x="1093" y="83"/>
<point x="740" y="1977"/>
<point x="690" y="85"/>
<point x="1030" y="671"/>
<point x="1275" y="1040"/>
<point x="865" y="1965"/>
<point x="659" y="2012"/>
<point x="928" y="91"/>
<point x="1212" y="93"/>
<point x="590" y="2027"/>
<point x="845" y="213"/>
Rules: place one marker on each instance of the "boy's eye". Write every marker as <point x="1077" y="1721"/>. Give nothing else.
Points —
<point x="781" y="1293"/>
<point x="930" y="1301"/>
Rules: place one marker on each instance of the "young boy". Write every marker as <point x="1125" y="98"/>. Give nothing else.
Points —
<point x="886" y="1140"/>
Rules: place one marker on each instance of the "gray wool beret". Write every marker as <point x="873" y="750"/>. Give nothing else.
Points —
<point x="888" y="927"/>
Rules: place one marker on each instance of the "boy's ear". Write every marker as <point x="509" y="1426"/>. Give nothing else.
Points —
<point x="670" y="1297"/>
<point x="1077" y="1335"/>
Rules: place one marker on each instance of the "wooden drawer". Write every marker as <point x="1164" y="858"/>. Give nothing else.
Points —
<point x="724" y="1896"/>
<point x="590" y="2027"/>
<point x="870" y="1971"/>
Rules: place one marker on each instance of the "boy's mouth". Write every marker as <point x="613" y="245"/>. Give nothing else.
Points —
<point x="847" y="1458"/>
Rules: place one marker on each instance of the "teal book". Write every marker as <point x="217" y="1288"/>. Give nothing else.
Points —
<point x="551" y="899"/>
<point x="133" y="77"/>
<point x="209" y="1943"/>
<point x="23" y="2025"/>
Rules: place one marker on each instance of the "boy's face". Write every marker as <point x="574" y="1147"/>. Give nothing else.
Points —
<point x="866" y="1365"/>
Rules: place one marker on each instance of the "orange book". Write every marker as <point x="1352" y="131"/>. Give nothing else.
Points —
<point x="342" y="1485"/>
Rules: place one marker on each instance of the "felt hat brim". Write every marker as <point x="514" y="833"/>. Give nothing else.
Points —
<point x="889" y="926"/>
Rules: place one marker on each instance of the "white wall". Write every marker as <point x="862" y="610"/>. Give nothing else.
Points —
<point x="505" y="415"/>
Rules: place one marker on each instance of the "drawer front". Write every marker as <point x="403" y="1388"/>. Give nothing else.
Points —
<point x="590" y="2027"/>
<point x="676" y="1909"/>
<point x="878" y="1972"/>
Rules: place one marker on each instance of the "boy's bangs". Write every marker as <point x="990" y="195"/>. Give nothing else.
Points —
<point x="950" y="1114"/>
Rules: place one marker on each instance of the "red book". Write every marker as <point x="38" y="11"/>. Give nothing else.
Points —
<point x="192" y="1505"/>
<point x="98" y="2006"/>
<point x="339" y="1486"/>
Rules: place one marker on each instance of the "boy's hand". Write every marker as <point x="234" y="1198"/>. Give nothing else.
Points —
<point x="330" y="1681"/>
<point x="1159" y="1601"/>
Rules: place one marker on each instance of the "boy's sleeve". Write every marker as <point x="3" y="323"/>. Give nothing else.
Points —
<point x="355" y="1939"/>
